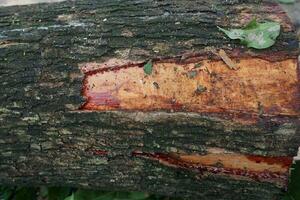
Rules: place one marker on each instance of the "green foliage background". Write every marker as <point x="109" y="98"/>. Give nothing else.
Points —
<point x="294" y="183"/>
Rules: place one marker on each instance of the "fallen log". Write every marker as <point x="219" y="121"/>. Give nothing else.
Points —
<point x="78" y="109"/>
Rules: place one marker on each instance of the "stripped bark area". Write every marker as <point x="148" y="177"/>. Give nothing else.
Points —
<point x="259" y="87"/>
<point x="77" y="109"/>
<point x="257" y="168"/>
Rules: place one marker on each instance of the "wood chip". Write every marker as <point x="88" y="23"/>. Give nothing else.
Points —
<point x="222" y="54"/>
<point x="227" y="60"/>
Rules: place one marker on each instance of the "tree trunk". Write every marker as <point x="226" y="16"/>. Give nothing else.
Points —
<point x="77" y="108"/>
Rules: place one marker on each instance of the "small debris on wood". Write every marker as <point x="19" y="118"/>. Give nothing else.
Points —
<point x="223" y="55"/>
<point x="200" y="89"/>
<point x="227" y="60"/>
<point x="156" y="85"/>
<point x="260" y="109"/>
<point x="198" y="65"/>
<point x="207" y="70"/>
<point x="192" y="74"/>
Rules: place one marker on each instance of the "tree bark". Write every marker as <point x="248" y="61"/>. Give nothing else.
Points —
<point x="78" y="110"/>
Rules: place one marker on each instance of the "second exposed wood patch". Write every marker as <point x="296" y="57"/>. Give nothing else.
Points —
<point x="239" y="166"/>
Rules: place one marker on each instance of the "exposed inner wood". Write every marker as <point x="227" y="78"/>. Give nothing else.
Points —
<point x="239" y="161"/>
<point x="259" y="168"/>
<point x="258" y="86"/>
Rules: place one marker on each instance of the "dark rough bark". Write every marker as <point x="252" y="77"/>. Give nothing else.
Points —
<point x="45" y="139"/>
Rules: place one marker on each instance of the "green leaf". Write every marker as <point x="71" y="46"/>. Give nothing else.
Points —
<point x="6" y="192"/>
<point x="71" y="197"/>
<point x="252" y="24"/>
<point x="148" y="67"/>
<point x="294" y="183"/>
<point x="58" y="193"/>
<point x="287" y="1"/>
<point x="255" y="35"/>
<point x="106" y="196"/>
<point x="138" y="195"/>
<point x="121" y="195"/>
<point x="233" y="33"/>
<point x="43" y="191"/>
<point x="83" y="194"/>
<point x="26" y="193"/>
<point x="197" y="65"/>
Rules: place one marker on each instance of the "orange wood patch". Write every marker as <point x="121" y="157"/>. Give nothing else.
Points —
<point x="238" y="161"/>
<point x="259" y="168"/>
<point x="258" y="86"/>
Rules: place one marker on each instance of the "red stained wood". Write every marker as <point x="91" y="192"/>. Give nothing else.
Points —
<point x="283" y="161"/>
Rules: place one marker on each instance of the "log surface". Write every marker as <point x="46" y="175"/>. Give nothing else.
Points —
<point x="50" y="134"/>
